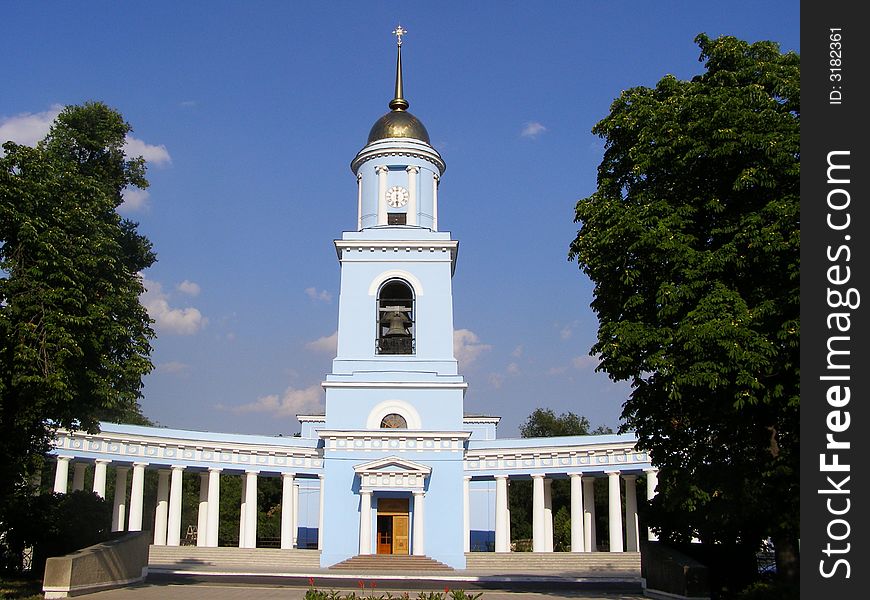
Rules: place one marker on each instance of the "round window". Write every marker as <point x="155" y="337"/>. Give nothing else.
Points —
<point x="394" y="421"/>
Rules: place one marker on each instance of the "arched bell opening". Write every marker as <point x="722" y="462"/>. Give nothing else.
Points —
<point x="395" y="317"/>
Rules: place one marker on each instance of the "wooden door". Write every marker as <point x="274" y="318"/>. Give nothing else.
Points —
<point x="385" y="534"/>
<point x="400" y="534"/>
<point x="393" y="526"/>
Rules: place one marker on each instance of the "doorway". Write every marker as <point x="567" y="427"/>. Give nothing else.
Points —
<point x="393" y="526"/>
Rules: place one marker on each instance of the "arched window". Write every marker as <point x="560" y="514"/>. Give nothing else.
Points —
<point x="395" y="324"/>
<point x="394" y="421"/>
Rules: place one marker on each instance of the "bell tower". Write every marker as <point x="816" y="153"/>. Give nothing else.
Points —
<point x="393" y="436"/>
<point x="395" y="325"/>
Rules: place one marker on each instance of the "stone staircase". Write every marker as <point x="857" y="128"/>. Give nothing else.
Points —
<point x="581" y="564"/>
<point x="181" y="559"/>
<point x="388" y="563"/>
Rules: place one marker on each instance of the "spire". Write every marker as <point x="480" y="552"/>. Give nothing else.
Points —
<point x="399" y="103"/>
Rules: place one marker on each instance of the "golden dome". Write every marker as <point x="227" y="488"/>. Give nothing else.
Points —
<point x="398" y="124"/>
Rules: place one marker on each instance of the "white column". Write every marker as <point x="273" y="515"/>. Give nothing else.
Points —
<point x="320" y="516"/>
<point x="173" y="533"/>
<point x="287" y="534"/>
<point x="382" y="171"/>
<point x="295" y="515"/>
<point x="359" y="201"/>
<point x="100" y="477"/>
<point x="79" y="476"/>
<point x="242" y="520"/>
<point x="590" y="541"/>
<point x="652" y="482"/>
<point x="413" y="176"/>
<point x="137" y="491"/>
<point x="466" y="514"/>
<point x="548" y="515"/>
<point x="162" y="508"/>
<point x="61" y="474"/>
<point x="614" y="512"/>
<point x="251" y="509"/>
<point x="577" y="516"/>
<point x="631" y="524"/>
<point x="214" y="500"/>
<point x="419" y="527"/>
<point x="434" y="202"/>
<point x="202" y="512"/>
<point x="502" y="515"/>
<point x="119" y="506"/>
<point x="539" y="535"/>
<point x="365" y="522"/>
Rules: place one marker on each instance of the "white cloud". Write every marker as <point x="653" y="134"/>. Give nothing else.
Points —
<point x="585" y="362"/>
<point x="181" y="321"/>
<point x="518" y="351"/>
<point x="291" y="402"/>
<point x="188" y="287"/>
<point x="173" y="367"/>
<point x="322" y="295"/>
<point x="135" y="200"/>
<point x="467" y="347"/>
<point x="327" y="344"/>
<point x="496" y="380"/>
<point x="532" y="130"/>
<point x="513" y="369"/>
<point x="568" y="330"/>
<point x="28" y="128"/>
<point x="155" y="155"/>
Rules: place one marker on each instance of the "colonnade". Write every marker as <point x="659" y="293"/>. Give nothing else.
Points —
<point x="167" y="512"/>
<point x="583" y="534"/>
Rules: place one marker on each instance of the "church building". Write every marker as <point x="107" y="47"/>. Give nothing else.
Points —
<point x="393" y="466"/>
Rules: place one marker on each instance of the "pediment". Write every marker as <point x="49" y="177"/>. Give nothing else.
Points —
<point x="392" y="465"/>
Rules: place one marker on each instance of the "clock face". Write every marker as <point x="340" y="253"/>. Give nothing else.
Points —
<point x="397" y="196"/>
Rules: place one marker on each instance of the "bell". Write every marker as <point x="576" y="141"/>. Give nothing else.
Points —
<point x="396" y="321"/>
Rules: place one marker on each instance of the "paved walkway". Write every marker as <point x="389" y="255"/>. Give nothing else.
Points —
<point x="248" y="592"/>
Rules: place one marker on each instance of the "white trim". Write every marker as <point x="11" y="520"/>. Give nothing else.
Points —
<point x="415" y="385"/>
<point x="412" y="417"/>
<point x="407" y="246"/>
<point x="410" y="278"/>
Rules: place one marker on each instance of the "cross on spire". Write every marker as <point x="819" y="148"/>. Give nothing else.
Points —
<point x="399" y="32"/>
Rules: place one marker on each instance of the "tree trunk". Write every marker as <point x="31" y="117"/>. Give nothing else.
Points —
<point x="787" y="558"/>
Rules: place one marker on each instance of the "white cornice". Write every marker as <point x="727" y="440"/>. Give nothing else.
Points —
<point x="157" y="449"/>
<point x="555" y="459"/>
<point x="393" y="440"/>
<point x="434" y="385"/>
<point x="418" y="246"/>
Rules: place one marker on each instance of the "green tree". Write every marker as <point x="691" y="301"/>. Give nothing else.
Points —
<point x="74" y="339"/>
<point x="543" y="422"/>
<point x="692" y="242"/>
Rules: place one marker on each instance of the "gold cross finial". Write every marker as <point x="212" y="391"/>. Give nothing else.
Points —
<point x="399" y="32"/>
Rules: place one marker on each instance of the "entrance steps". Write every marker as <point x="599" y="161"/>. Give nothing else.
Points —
<point x="579" y="564"/>
<point x="230" y="560"/>
<point x="382" y="563"/>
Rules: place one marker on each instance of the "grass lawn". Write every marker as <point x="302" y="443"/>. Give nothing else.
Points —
<point x="17" y="588"/>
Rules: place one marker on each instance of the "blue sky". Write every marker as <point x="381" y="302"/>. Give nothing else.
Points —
<point x="250" y="113"/>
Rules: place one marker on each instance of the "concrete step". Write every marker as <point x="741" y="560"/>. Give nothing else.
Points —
<point x="593" y="563"/>
<point x="232" y="559"/>
<point x="390" y="562"/>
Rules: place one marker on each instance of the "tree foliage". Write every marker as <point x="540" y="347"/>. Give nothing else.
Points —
<point x="74" y="339"/>
<point x="692" y="242"/>
<point x="543" y="422"/>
